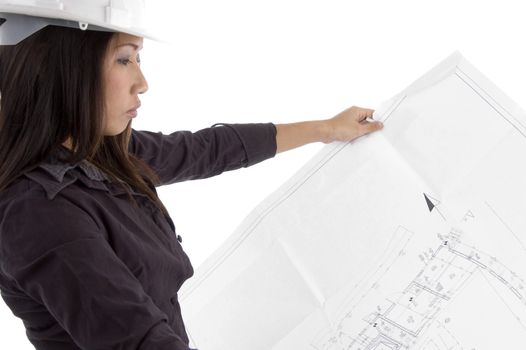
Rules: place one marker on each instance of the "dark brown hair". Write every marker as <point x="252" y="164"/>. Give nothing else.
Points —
<point x="51" y="89"/>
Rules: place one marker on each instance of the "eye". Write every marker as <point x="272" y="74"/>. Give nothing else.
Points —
<point x="123" y="61"/>
<point x="126" y="61"/>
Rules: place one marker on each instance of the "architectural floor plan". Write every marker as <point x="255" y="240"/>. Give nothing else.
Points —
<point x="410" y="238"/>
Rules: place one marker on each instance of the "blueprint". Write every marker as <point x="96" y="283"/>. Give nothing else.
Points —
<point x="413" y="237"/>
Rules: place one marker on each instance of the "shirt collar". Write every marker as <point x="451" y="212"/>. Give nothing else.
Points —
<point x="60" y="169"/>
<point x="57" y="168"/>
<point x="54" y="174"/>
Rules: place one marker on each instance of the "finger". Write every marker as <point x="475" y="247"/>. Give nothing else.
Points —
<point x="369" y="111"/>
<point x="364" y="113"/>
<point x="371" y="127"/>
<point x="367" y="120"/>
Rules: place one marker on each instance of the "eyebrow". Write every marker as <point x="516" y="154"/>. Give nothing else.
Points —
<point x="135" y="46"/>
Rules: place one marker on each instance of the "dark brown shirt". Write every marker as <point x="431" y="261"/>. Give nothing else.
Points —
<point x="86" y="269"/>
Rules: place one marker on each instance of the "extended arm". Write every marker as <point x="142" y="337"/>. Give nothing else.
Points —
<point x="346" y="126"/>
<point x="184" y="155"/>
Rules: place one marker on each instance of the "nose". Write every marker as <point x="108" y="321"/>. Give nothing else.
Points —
<point x="141" y="85"/>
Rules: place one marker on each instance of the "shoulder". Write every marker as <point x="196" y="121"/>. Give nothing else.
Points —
<point x="22" y="190"/>
<point x="32" y="224"/>
<point x="26" y="202"/>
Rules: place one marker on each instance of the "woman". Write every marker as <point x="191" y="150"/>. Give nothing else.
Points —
<point x="89" y="258"/>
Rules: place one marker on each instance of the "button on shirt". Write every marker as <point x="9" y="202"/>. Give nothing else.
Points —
<point x="84" y="268"/>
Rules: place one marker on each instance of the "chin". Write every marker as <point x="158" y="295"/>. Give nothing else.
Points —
<point x="116" y="130"/>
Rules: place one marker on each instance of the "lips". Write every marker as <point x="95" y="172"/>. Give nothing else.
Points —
<point x="133" y="112"/>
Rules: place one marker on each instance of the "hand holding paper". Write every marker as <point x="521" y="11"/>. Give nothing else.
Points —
<point x="346" y="126"/>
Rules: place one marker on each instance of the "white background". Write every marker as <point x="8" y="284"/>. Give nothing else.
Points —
<point x="284" y="61"/>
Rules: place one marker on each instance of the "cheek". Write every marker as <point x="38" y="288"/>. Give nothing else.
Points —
<point x="115" y="89"/>
<point x="116" y="102"/>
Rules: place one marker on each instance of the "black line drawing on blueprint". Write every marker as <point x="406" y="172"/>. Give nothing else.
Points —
<point x="410" y="319"/>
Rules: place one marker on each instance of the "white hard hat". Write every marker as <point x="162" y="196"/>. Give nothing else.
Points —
<point x="21" y="18"/>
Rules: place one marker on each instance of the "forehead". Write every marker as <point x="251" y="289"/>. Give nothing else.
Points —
<point x="122" y="39"/>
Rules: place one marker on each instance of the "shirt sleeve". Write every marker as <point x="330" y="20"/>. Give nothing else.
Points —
<point x="57" y="255"/>
<point x="184" y="155"/>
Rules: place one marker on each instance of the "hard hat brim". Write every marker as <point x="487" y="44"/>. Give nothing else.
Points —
<point x="22" y="21"/>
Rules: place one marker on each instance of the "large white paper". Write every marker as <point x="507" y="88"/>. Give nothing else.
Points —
<point x="410" y="238"/>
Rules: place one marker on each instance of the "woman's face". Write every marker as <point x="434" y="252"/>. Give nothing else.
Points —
<point x="123" y="81"/>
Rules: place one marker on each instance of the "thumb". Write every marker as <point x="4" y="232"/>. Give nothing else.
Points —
<point x="371" y="127"/>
